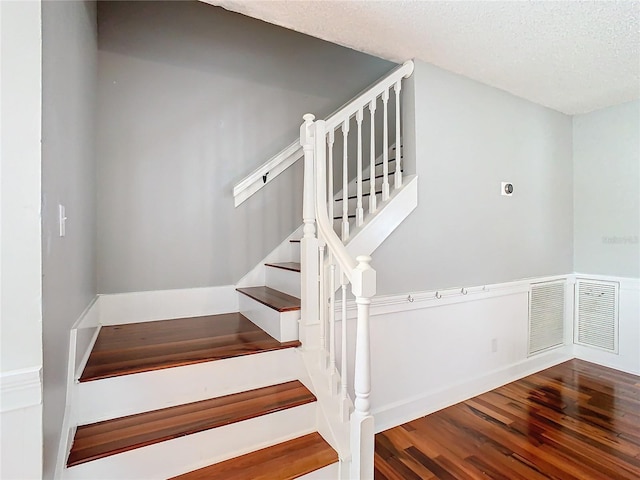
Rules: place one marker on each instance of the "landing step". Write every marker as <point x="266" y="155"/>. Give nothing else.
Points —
<point x="284" y="461"/>
<point x="292" y="266"/>
<point x="142" y="347"/>
<point x="275" y="299"/>
<point x="119" y="435"/>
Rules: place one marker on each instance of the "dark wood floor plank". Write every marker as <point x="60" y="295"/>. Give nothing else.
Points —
<point x="284" y="461"/>
<point x="292" y="266"/>
<point x="110" y="437"/>
<point x="272" y="298"/>
<point x="573" y="421"/>
<point x="141" y="347"/>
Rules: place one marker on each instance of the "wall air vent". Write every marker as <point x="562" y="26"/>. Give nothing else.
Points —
<point x="596" y="319"/>
<point x="546" y="315"/>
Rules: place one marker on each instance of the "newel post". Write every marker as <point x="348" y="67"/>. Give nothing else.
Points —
<point x="362" y="432"/>
<point x="309" y="243"/>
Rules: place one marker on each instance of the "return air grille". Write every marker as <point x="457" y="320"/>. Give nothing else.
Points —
<point x="597" y="314"/>
<point x="546" y="316"/>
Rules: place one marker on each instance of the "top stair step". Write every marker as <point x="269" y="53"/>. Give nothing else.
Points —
<point x="292" y="266"/>
<point x="284" y="461"/>
<point x="275" y="299"/>
<point x="141" y="347"/>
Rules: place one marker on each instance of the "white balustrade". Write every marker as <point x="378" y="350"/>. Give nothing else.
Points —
<point x="334" y="265"/>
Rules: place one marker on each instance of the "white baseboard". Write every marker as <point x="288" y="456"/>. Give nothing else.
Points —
<point x="389" y="416"/>
<point x="123" y="308"/>
<point x="21" y="388"/>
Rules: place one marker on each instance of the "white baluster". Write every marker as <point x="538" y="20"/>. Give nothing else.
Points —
<point x="362" y="429"/>
<point x="332" y="294"/>
<point x="333" y="372"/>
<point x="398" y="177"/>
<point x="330" y="196"/>
<point x="345" y="407"/>
<point x="385" y="147"/>
<point x="359" y="210"/>
<point x="372" y="163"/>
<point x="309" y="242"/>
<point x="322" y="306"/>
<point x="345" y="183"/>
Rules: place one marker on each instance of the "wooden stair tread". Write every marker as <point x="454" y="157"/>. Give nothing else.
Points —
<point x="352" y="197"/>
<point x="140" y="347"/>
<point x="283" y="461"/>
<point x="295" y="240"/>
<point x="275" y="299"/>
<point x="102" y="439"/>
<point x="292" y="266"/>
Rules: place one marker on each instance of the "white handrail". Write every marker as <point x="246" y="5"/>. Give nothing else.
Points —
<point x="403" y="71"/>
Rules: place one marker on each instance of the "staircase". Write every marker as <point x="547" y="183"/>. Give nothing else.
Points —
<point x="248" y="395"/>
<point x="263" y="392"/>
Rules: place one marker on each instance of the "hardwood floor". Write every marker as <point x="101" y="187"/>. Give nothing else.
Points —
<point x="573" y="421"/>
<point x="284" y="461"/>
<point x="140" y="347"/>
<point x="99" y="440"/>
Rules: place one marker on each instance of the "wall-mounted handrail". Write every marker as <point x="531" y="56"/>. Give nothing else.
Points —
<point x="267" y="172"/>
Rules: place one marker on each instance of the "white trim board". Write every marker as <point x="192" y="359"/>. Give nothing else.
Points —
<point x="20" y="388"/>
<point x="384" y="304"/>
<point x="134" y="307"/>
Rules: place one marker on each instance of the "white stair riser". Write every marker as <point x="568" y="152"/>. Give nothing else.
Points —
<point x="141" y="392"/>
<point x="295" y="252"/>
<point x="281" y="326"/>
<point x="285" y="281"/>
<point x="190" y="452"/>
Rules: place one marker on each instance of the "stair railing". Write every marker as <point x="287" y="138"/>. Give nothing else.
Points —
<point x="326" y="261"/>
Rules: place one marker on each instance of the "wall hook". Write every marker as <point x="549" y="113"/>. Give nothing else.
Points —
<point x="464" y="291"/>
<point x="410" y="299"/>
<point x="438" y="295"/>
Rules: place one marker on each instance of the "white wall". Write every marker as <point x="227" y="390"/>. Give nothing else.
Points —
<point x="469" y="138"/>
<point x="192" y="98"/>
<point x="69" y="74"/>
<point x="606" y="159"/>
<point x="20" y="248"/>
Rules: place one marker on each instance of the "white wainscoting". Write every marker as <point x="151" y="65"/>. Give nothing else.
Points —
<point x="628" y="357"/>
<point x="21" y="423"/>
<point x="429" y="352"/>
<point x="122" y="308"/>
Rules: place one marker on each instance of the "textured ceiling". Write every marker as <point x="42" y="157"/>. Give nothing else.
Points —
<point x="572" y="56"/>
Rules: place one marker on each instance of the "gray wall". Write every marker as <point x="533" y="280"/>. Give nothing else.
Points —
<point x="606" y="156"/>
<point x="469" y="138"/>
<point x="191" y="99"/>
<point x="69" y="67"/>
